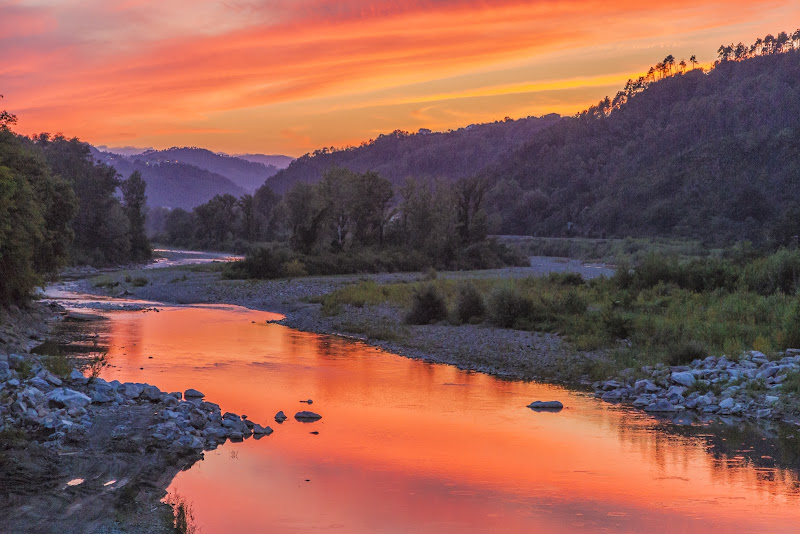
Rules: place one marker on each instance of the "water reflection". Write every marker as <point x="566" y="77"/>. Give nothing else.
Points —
<point x="411" y="446"/>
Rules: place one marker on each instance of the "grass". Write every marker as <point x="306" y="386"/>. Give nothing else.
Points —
<point x="643" y="321"/>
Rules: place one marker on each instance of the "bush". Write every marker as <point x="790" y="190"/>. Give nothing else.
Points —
<point x="507" y="308"/>
<point x="469" y="304"/>
<point x="615" y="325"/>
<point x="566" y="279"/>
<point x="294" y="269"/>
<point x="427" y="306"/>
<point x="778" y="273"/>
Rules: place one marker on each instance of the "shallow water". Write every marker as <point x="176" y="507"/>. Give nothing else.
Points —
<point x="407" y="446"/>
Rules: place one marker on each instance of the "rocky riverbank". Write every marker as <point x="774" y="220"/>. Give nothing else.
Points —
<point x="85" y="455"/>
<point x="753" y="387"/>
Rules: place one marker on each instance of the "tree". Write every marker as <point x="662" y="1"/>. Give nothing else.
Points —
<point x="669" y="62"/>
<point x="306" y="212"/>
<point x="693" y="61"/>
<point x="134" y="200"/>
<point x="470" y="193"/>
<point x="683" y="66"/>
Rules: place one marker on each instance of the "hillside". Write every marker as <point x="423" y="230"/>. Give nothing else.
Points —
<point x="450" y="155"/>
<point x="709" y="155"/>
<point x="276" y="160"/>
<point x="173" y="185"/>
<point x="249" y="175"/>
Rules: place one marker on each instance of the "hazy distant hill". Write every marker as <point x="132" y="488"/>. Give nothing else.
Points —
<point x="173" y="185"/>
<point x="449" y="155"/>
<point x="246" y="174"/>
<point x="714" y="156"/>
<point x="276" y="160"/>
<point x="123" y="150"/>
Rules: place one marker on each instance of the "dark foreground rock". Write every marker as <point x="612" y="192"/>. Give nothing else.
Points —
<point x="546" y="405"/>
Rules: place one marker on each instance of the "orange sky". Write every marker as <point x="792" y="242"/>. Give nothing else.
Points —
<point x="289" y="76"/>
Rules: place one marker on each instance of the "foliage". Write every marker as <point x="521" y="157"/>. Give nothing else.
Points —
<point x="427" y="306"/>
<point x="508" y="308"/>
<point x="469" y="306"/>
<point x="35" y="210"/>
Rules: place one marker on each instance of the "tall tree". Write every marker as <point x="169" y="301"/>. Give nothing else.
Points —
<point x="134" y="200"/>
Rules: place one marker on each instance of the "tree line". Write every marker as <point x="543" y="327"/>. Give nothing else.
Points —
<point x="58" y="207"/>
<point x="347" y="215"/>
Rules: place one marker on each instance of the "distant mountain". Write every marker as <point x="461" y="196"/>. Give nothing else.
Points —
<point x="424" y="155"/>
<point x="276" y="160"/>
<point x="713" y="156"/>
<point x="246" y="174"/>
<point x="123" y="150"/>
<point x="172" y="184"/>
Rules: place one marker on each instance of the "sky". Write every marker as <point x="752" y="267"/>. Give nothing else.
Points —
<point x="290" y="76"/>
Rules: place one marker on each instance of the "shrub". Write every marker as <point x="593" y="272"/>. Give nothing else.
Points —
<point x="778" y="273"/>
<point x="294" y="269"/>
<point x="507" y="308"/>
<point x="566" y="279"/>
<point x="469" y="304"/>
<point x="427" y="306"/>
<point x="615" y="325"/>
<point x="790" y="331"/>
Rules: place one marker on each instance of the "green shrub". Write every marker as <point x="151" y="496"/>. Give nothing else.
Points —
<point x="615" y="325"/>
<point x="566" y="279"/>
<point x="790" y="329"/>
<point x="778" y="273"/>
<point x="427" y="306"/>
<point x="507" y="308"/>
<point x="469" y="304"/>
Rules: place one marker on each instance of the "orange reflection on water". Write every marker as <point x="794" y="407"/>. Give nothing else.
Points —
<point x="406" y="446"/>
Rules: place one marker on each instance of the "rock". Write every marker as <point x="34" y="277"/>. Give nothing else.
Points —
<point x="546" y="405"/>
<point x="684" y="378"/>
<point x="280" y="417"/>
<point x="102" y="396"/>
<point x="307" y="417"/>
<point x="766" y="412"/>
<point x="68" y="398"/>
<point x="193" y="393"/>
<point x="259" y="430"/>
<point x="40" y="383"/>
<point x="76" y="377"/>
<point x="15" y="360"/>
<point x="727" y="404"/>
<point x="131" y="390"/>
<point x="151" y="393"/>
<point x="613" y="395"/>
<point x="771" y="399"/>
<point x="611" y="384"/>
<point x="661" y="405"/>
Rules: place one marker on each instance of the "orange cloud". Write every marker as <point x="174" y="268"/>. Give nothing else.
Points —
<point x="243" y="73"/>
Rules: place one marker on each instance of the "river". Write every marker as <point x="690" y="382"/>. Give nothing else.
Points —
<point x="408" y="446"/>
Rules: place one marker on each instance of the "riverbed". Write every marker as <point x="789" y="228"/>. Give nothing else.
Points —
<point x="409" y="446"/>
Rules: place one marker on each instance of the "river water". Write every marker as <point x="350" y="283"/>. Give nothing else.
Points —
<point x="408" y="446"/>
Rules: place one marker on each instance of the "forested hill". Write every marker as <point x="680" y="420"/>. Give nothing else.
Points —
<point x="451" y="155"/>
<point x="173" y="184"/>
<point x="712" y="155"/>
<point x="249" y="175"/>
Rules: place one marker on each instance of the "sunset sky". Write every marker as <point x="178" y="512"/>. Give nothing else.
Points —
<point x="289" y="76"/>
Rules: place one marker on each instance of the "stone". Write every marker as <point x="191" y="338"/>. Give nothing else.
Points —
<point x="280" y="417"/>
<point x="193" y="393"/>
<point x="151" y="393"/>
<point x="307" y="417"/>
<point x="611" y="384"/>
<point x="613" y="395"/>
<point x="76" y="375"/>
<point x="771" y="399"/>
<point x="684" y="378"/>
<point x="68" y="398"/>
<point x="660" y="405"/>
<point x="131" y="390"/>
<point x="40" y="383"/>
<point x="765" y="412"/>
<point x="727" y="404"/>
<point x="259" y="430"/>
<point x="546" y="405"/>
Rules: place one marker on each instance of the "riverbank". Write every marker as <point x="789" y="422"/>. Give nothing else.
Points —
<point x="482" y="347"/>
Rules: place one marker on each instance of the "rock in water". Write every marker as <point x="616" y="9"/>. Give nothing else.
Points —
<point x="193" y="393"/>
<point x="280" y="417"/>
<point x="307" y="417"/>
<point x="546" y="405"/>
